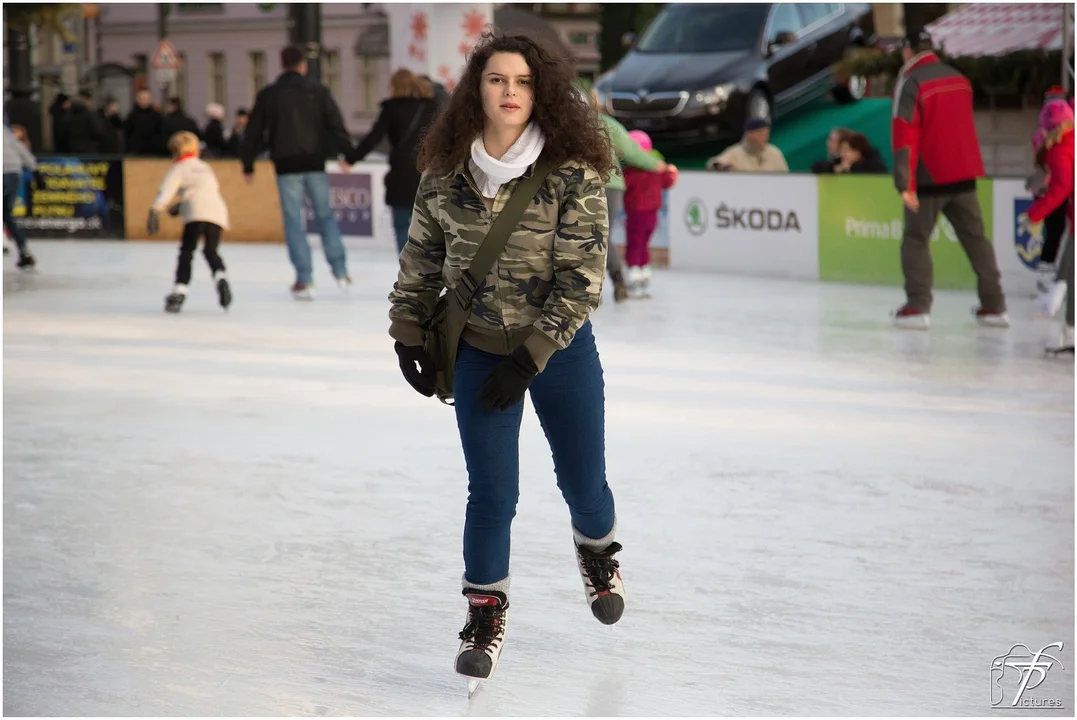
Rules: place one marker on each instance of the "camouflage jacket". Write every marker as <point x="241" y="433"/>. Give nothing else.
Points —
<point x="544" y="286"/>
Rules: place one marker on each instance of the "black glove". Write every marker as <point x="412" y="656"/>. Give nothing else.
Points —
<point x="421" y="378"/>
<point x="174" y="210"/>
<point x="153" y="222"/>
<point x="506" y="385"/>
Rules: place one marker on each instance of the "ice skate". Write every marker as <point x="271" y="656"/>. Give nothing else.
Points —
<point x="174" y="302"/>
<point x="645" y="282"/>
<point x="909" y="318"/>
<point x="1050" y="300"/>
<point x="26" y="262"/>
<point x="224" y="291"/>
<point x="344" y="283"/>
<point x="483" y="635"/>
<point x="620" y="289"/>
<point x="1062" y="344"/>
<point x="602" y="584"/>
<point x="991" y="318"/>
<point x="1045" y="276"/>
<point x="302" y="292"/>
<point x="635" y="282"/>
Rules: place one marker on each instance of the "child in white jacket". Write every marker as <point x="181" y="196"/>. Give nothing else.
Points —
<point x="192" y="183"/>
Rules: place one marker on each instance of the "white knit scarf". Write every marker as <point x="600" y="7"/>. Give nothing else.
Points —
<point x="491" y="174"/>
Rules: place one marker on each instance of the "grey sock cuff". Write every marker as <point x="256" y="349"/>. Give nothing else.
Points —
<point x="596" y="544"/>
<point x="501" y="586"/>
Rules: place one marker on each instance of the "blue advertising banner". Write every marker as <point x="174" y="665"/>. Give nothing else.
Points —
<point x="352" y="199"/>
<point x="77" y="197"/>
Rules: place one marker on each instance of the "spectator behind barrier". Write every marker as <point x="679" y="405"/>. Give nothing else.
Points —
<point x="753" y="153"/>
<point x="857" y="155"/>
<point x="833" y="151"/>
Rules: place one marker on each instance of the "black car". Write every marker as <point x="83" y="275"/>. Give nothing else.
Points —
<point x="699" y="71"/>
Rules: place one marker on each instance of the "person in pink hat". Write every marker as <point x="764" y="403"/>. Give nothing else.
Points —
<point x="643" y="200"/>
<point x="1056" y="125"/>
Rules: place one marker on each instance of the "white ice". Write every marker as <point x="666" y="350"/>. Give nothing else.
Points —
<point x="251" y="513"/>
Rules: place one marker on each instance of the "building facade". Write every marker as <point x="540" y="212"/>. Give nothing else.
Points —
<point x="230" y="50"/>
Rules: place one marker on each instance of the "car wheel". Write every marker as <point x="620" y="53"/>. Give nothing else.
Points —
<point x="853" y="89"/>
<point x="758" y="105"/>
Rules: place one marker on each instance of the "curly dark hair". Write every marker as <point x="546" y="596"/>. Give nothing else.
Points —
<point x="572" y="129"/>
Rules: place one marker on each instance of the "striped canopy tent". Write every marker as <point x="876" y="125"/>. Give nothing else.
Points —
<point x="1001" y="28"/>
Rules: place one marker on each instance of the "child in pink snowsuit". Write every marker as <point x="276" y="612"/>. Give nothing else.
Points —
<point x="643" y="200"/>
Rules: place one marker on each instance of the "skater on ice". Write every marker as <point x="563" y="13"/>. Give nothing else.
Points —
<point x="1056" y="155"/>
<point x="936" y="163"/>
<point x="643" y="201"/>
<point x="17" y="157"/>
<point x="190" y="188"/>
<point x="527" y="319"/>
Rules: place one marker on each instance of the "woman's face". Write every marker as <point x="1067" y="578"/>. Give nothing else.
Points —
<point x="833" y="145"/>
<point x="848" y="155"/>
<point x="506" y="90"/>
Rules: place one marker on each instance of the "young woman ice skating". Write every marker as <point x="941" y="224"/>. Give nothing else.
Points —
<point x="1056" y="124"/>
<point x="514" y="165"/>
<point x="191" y="183"/>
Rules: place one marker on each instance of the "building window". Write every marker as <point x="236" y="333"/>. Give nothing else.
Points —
<point x="218" y="74"/>
<point x="331" y="71"/>
<point x="142" y="69"/>
<point x="180" y="90"/>
<point x="579" y="37"/>
<point x="369" y="76"/>
<point x="257" y="74"/>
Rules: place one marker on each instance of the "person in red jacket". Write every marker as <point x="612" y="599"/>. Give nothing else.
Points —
<point x="1056" y="124"/>
<point x="936" y="162"/>
<point x="643" y="200"/>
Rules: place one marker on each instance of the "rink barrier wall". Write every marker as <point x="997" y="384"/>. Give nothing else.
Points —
<point x="832" y="228"/>
<point x="807" y="227"/>
<point x="253" y="210"/>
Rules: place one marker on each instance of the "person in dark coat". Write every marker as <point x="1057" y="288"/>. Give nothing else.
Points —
<point x="857" y="155"/>
<point x="112" y="127"/>
<point x="833" y="152"/>
<point x="85" y="128"/>
<point x="213" y="135"/>
<point x="403" y="119"/>
<point x="60" y="111"/>
<point x="176" y="120"/>
<point x="239" y="130"/>
<point x="143" y="127"/>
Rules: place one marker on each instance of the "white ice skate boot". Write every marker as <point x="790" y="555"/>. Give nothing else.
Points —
<point x="1048" y="302"/>
<point x="991" y="318"/>
<point x="635" y="281"/>
<point x="909" y="318"/>
<point x="1045" y="276"/>
<point x="302" y="292"/>
<point x="483" y="635"/>
<point x="645" y="282"/>
<point x="601" y="573"/>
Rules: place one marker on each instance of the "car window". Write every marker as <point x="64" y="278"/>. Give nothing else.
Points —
<point x="814" y="12"/>
<point x="691" y="28"/>
<point x="786" y="18"/>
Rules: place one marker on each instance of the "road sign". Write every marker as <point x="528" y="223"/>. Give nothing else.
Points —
<point x="165" y="57"/>
<point x="165" y="76"/>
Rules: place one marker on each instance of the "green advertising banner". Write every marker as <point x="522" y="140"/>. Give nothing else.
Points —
<point x="861" y="220"/>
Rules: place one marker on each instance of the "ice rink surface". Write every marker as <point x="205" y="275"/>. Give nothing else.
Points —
<point x="252" y="513"/>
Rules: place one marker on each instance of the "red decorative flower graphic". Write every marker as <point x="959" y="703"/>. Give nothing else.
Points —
<point x="445" y="72"/>
<point x="474" y="24"/>
<point x="413" y="50"/>
<point x="464" y="48"/>
<point x="418" y="26"/>
<point x="450" y="85"/>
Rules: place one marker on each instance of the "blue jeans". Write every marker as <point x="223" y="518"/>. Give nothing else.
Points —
<point x="570" y="403"/>
<point x="315" y="185"/>
<point x="12" y="181"/>
<point x="401" y="224"/>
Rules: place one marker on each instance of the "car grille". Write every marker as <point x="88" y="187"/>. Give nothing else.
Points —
<point x="666" y="103"/>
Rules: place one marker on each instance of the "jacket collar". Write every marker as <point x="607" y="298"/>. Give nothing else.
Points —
<point x="927" y="57"/>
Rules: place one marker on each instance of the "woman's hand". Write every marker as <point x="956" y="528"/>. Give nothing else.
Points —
<point x="422" y="377"/>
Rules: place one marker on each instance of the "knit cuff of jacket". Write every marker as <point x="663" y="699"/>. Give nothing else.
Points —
<point x="407" y="333"/>
<point x="595" y="543"/>
<point x="540" y="347"/>
<point x="501" y="586"/>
